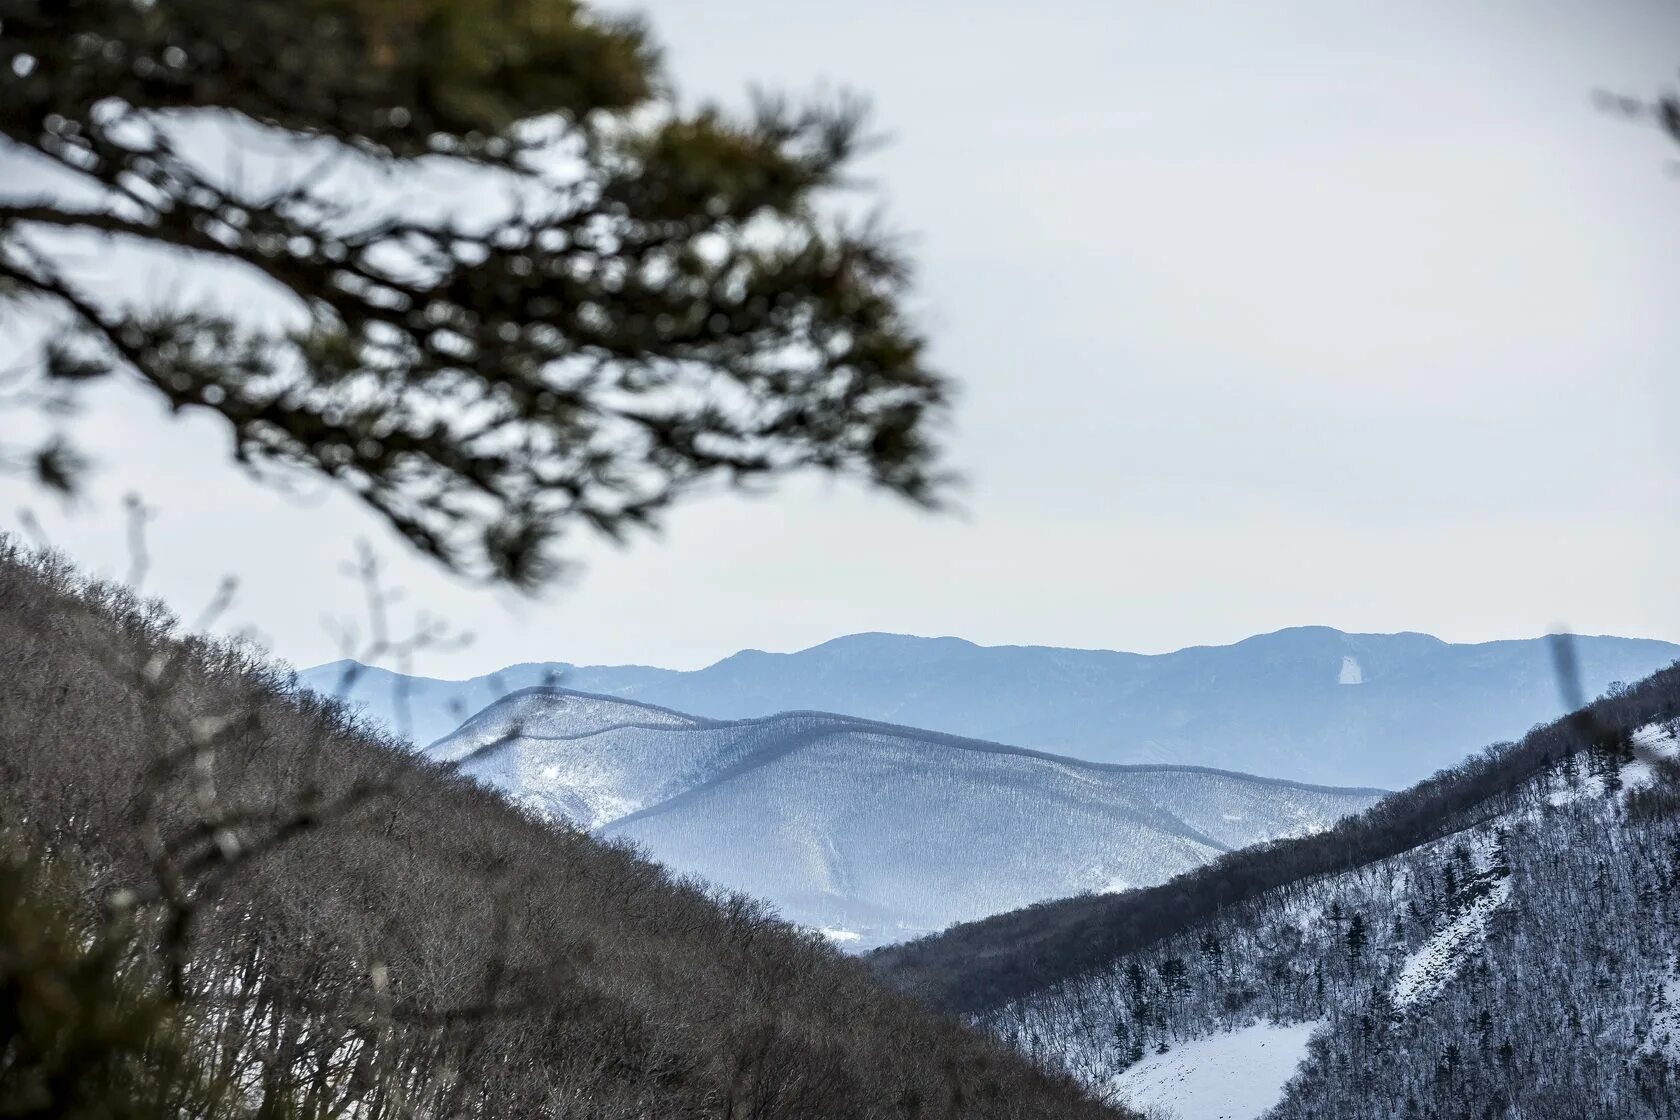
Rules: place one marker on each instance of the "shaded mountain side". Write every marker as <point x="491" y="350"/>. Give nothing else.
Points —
<point x="870" y="831"/>
<point x="363" y="930"/>
<point x="1524" y="965"/>
<point x="1310" y="703"/>
<point x="981" y="965"/>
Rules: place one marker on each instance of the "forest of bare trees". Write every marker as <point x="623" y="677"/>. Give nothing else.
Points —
<point x="316" y="923"/>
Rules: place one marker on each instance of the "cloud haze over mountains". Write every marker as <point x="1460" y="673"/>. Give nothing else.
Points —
<point x="1310" y="704"/>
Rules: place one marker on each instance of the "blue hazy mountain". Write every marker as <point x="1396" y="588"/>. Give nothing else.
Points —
<point x="870" y="832"/>
<point x="1310" y="704"/>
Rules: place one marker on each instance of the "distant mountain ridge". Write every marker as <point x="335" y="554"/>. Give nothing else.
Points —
<point x="869" y="831"/>
<point x="1311" y="704"/>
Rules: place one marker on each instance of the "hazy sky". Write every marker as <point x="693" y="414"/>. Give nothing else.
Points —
<point x="1345" y="313"/>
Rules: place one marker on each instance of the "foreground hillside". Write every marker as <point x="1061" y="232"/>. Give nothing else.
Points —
<point x="1310" y="704"/>
<point x="348" y="928"/>
<point x="1515" y="953"/>
<point x="869" y="831"/>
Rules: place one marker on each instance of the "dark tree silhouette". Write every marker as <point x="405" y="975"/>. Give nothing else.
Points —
<point x="640" y="298"/>
<point x="1356" y="938"/>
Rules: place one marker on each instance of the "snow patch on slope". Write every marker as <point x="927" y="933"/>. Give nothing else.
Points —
<point x="1351" y="672"/>
<point x="1236" y="1075"/>
<point x="1428" y="969"/>
<point x="1653" y="741"/>
<point x="1664" y="1039"/>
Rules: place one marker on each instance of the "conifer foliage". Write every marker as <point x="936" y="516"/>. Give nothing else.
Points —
<point x="638" y="297"/>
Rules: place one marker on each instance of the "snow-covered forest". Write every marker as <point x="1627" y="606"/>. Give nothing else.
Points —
<point x="1523" y="965"/>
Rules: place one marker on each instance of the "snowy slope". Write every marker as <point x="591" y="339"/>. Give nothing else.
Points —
<point x="553" y="713"/>
<point x="1664" y="1039"/>
<point x="1309" y="703"/>
<point x="863" y="828"/>
<point x="1526" y="965"/>
<point x="1234" y="1075"/>
<point x="1428" y="969"/>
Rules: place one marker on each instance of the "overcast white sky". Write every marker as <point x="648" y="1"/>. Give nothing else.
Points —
<point x="1353" y="314"/>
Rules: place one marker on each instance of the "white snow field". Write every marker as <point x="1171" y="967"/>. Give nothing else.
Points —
<point x="1351" y="672"/>
<point x="1236" y="1075"/>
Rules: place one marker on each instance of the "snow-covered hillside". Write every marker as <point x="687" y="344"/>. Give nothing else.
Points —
<point x="555" y="713"/>
<point x="1527" y="965"/>
<point x="872" y="832"/>
<point x="1228" y="1075"/>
